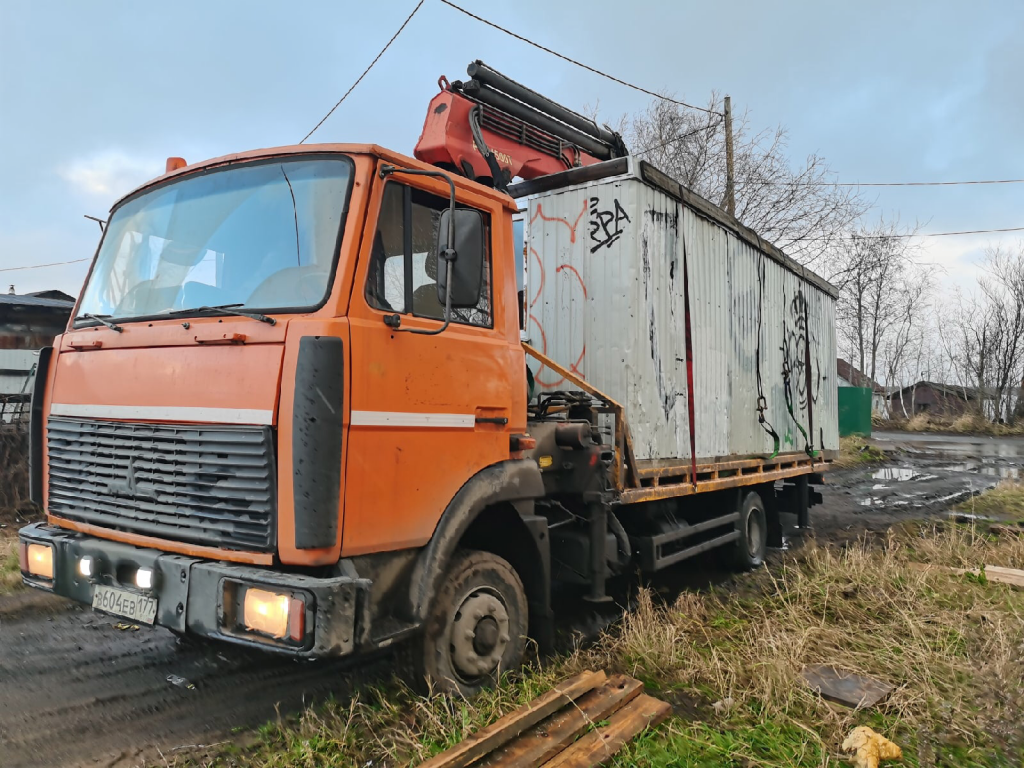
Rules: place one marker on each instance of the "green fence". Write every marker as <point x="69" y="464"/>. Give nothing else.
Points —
<point x="854" y="411"/>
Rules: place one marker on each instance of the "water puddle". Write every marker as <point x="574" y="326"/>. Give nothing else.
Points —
<point x="877" y="501"/>
<point x="898" y="474"/>
<point x="1002" y="471"/>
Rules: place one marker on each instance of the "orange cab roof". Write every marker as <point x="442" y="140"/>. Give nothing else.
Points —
<point x="311" y="149"/>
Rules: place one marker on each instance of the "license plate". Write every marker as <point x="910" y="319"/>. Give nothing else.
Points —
<point x="121" y="602"/>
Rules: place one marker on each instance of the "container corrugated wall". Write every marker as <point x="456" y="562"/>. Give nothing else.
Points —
<point x="606" y="284"/>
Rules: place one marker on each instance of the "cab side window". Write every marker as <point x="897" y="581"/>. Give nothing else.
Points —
<point x="403" y="265"/>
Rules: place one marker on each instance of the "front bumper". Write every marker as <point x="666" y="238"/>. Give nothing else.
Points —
<point x="202" y="596"/>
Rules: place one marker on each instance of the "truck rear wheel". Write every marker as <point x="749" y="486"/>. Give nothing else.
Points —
<point x="477" y="626"/>
<point x="752" y="545"/>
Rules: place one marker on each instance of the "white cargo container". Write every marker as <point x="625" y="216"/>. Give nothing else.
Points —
<point x="619" y="266"/>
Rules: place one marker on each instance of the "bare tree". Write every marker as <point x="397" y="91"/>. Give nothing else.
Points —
<point x="969" y="332"/>
<point x="1003" y="290"/>
<point x="799" y="208"/>
<point x="982" y="335"/>
<point x="883" y="300"/>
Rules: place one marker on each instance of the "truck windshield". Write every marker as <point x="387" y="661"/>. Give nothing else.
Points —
<point x="258" y="236"/>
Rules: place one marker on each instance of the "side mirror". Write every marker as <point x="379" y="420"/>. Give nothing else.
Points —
<point x="468" y="260"/>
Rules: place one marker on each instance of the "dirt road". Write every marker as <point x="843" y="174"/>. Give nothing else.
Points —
<point x="77" y="690"/>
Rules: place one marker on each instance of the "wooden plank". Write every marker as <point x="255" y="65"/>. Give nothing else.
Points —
<point x="511" y="725"/>
<point x="1001" y="575"/>
<point x="601" y="744"/>
<point x="994" y="573"/>
<point x="548" y="738"/>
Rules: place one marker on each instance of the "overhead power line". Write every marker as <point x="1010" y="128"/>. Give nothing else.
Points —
<point x="878" y="183"/>
<point x="40" y="266"/>
<point x="939" y="234"/>
<point x="577" y="63"/>
<point x="365" y="71"/>
<point x="680" y="137"/>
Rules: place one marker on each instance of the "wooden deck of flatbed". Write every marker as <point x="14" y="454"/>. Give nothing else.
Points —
<point x="668" y="479"/>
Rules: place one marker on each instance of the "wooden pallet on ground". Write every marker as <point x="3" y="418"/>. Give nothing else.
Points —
<point x="581" y="722"/>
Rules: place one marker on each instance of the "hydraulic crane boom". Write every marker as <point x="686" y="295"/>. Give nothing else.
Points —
<point x="493" y="129"/>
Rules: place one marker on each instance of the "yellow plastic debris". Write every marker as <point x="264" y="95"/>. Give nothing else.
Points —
<point x="870" y="748"/>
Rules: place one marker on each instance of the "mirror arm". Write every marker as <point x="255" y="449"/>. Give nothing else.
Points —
<point x="449" y="254"/>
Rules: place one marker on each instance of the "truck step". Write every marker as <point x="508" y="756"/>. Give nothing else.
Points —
<point x="657" y="552"/>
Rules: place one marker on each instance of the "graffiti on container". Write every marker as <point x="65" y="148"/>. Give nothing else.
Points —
<point x="795" y="339"/>
<point x="563" y="269"/>
<point x="671" y="218"/>
<point x="667" y="393"/>
<point x="572" y="227"/>
<point x="606" y="223"/>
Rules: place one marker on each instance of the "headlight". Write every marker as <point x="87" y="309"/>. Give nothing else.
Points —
<point x="273" y="613"/>
<point x="144" y="578"/>
<point x="85" y="566"/>
<point x="39" y="561"/>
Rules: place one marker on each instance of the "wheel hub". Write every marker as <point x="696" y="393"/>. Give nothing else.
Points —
<point x="479" y="634"/>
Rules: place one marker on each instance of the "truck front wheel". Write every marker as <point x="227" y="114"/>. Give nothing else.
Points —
<point x="477" y="626"/>
<point x="752" y="545"/>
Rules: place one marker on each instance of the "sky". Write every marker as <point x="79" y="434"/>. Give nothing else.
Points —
<point x="95" y="96"/>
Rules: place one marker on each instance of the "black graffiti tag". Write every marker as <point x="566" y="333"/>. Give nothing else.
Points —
<point x="796" y="337"/>
<point x="606" y="225"/>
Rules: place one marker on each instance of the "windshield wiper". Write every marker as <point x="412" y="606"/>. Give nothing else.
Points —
<point x="227" y="309"/>
<point x="100" y="320"/>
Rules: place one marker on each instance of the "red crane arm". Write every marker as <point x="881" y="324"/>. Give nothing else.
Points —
<point x="520" y="149"/>
<point x="527" y="134"/>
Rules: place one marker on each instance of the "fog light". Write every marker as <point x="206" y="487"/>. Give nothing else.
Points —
<point x="85" y="566"/>
<point x="40" y="560"/>
<point x="266" y="612"/>
<point x="144" y="578"/>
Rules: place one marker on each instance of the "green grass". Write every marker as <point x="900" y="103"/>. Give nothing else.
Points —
<point x="855" y="450"/>
<point x="949" y="645"/>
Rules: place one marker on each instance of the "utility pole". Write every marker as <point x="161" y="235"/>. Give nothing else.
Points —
<point x="730" y="176"/>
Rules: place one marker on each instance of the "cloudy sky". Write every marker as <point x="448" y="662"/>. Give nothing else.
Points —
<point x="94" y="96"/>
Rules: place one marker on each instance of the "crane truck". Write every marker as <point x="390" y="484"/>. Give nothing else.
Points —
<point x="308" y="402"/>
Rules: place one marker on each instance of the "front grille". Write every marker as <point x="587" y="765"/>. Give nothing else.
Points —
<point x="201" y="484"/>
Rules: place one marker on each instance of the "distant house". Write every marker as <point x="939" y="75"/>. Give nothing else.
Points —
<point x="27" y="323"/>
<point x="851" y="377"/>
<point x="934" y="399"/>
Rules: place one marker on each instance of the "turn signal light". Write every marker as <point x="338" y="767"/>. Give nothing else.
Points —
<point x="274" y="614"/>
<point x="39" y="561"/>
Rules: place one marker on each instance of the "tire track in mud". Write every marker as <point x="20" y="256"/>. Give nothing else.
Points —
<point x="76" y="691"/>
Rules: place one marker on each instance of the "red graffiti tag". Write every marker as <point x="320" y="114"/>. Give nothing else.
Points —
<point x="540" y="288"/>
<point x="572" y="227"/>
<point x="572" y="269"/>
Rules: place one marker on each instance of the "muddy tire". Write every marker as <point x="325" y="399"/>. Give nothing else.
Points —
<point x="752" y="545"/>
<point x="477" y="626"/>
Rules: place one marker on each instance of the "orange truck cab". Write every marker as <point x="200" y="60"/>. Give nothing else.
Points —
<point x="259" y="425"/>
<point x="291" y="412"/>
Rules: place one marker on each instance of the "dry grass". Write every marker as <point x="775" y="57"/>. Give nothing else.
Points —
<point x="1005" y="501"/>
<point x="855" y="450"/>
<point x="10" y="571"/>
<point x="965" y="424"/>
<point x="952" y="646"/>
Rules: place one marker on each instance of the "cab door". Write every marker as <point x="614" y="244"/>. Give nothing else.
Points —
<point x="427" y="412"/>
